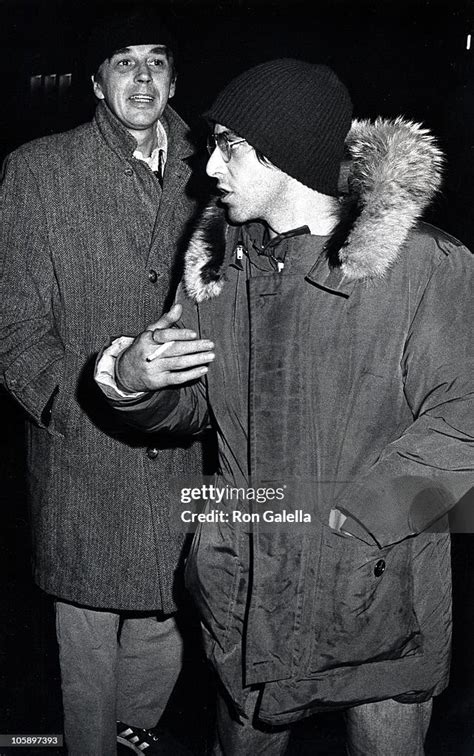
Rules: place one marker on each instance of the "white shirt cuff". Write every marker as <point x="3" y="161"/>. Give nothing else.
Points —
<point x="104" y="374"/>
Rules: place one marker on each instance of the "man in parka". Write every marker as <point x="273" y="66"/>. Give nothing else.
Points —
<point x="339" y="372"/>
<point x="92" y="223"/>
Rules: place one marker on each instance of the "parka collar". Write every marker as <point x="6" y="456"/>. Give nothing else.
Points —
<point x="392" y="173"/>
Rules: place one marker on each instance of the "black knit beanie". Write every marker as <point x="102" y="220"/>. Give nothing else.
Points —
<point x="297" y="114"/>
<point x="140" y="26"/>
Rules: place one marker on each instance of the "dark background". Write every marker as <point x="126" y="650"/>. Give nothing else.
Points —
<point x="397" y="59"/>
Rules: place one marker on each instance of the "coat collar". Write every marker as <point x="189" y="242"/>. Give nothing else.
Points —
<point x="123" y="143"/>
<point x="392" y="173"/>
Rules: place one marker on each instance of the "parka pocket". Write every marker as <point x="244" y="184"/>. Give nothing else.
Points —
<point x="363" y="604"/>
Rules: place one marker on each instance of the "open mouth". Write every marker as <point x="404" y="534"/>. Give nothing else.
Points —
<point x="142" y="98"/>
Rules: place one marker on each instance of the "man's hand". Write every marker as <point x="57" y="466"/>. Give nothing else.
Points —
<point x="163" y="356"/>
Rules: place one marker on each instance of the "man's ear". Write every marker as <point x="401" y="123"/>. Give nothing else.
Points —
<point x="172" y="88"/>
<point x="97" y="88"/>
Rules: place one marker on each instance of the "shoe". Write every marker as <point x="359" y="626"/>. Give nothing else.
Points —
<point x="138" y="740"/>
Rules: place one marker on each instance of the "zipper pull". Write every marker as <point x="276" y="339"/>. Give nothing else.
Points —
<point x="280" y="265"/>
<point x="239" y="251"/>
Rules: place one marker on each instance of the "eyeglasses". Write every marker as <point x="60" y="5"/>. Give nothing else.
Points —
<point x="224" y="144"/>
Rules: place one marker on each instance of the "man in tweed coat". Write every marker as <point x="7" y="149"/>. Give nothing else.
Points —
<point x="91" y="221"/>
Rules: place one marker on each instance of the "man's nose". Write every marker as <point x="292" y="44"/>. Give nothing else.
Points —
<point x="143" y="72"/>
<point x="215" y="165"/>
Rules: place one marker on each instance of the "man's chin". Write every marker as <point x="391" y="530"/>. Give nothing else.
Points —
<point x="233" y="214"/>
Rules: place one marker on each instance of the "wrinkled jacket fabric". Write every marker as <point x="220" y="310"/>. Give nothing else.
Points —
<point x="88" y="243"/>
<point x="358" y="396"/>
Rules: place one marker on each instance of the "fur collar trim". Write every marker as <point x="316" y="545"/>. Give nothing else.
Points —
<point x="394" y="171"/>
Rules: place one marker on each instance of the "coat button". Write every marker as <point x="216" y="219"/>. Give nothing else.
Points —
<point x="152" y="276"/>
<point x="129" y="171"/>
<point x="379" y="568"/>
<point x="152" y="452"/>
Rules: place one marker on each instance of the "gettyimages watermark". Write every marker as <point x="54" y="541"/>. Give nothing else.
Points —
<point x="211" y="501"/>
<point x="216" y="493"/>
<point x="427" y="505"/>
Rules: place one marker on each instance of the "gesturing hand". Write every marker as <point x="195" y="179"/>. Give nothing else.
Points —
<point x="163" y="356"/>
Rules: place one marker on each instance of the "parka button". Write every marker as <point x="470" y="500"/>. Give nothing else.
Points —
<point x="129" y="171"/>
<point x="152" y="276"/>
<point x="152" y="452"/>
<point x="379" y="568"/>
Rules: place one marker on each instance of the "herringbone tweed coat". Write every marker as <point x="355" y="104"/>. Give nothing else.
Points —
<point x="88" y="242"/>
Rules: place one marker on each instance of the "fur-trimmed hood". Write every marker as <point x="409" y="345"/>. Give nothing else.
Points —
<point x="394" y="171"/>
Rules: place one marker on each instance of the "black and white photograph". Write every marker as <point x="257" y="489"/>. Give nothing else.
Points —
<point x="237" y="378"/>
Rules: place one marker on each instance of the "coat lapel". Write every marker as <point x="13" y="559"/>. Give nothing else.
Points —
<point x="176" y="176"/>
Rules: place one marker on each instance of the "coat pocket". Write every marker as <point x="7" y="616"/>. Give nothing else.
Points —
<point x="363" y="604"/>
<point x="62" y="406"/>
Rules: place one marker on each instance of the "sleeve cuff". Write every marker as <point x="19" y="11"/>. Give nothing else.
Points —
<point x="104" y="373"/>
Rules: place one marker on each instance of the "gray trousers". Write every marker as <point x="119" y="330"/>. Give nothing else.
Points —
<point x="114" y="666"/>
<point x="383" y="728"/>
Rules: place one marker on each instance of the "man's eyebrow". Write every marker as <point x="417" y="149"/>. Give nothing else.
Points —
<point x="121" y="51"/>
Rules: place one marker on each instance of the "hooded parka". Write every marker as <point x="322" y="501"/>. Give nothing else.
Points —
<point x="343" y="376"/>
